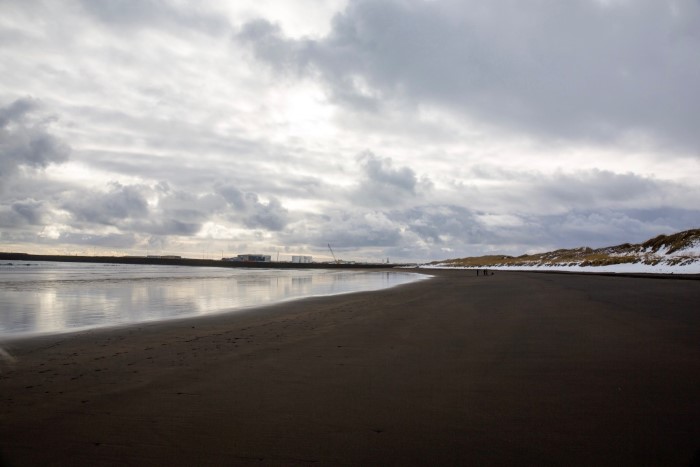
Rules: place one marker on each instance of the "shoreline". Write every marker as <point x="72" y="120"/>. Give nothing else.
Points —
<point x="192" y="262"/>
<point x="522" y="368"/>
<point x="246" y="302"/>
<point x="573" y="271"/>
<point x="12" y="339"/>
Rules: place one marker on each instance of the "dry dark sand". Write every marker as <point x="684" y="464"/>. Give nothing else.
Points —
<point x="512" y="369"/>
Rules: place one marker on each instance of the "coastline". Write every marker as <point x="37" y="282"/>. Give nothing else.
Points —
<point x="190" y="262"/>
<point x="42" y="300"/>
<point x="649" y="273"/>
<point x="523" y="368"/>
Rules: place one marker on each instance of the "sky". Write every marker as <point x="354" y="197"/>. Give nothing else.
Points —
<point x="404" y="130"/>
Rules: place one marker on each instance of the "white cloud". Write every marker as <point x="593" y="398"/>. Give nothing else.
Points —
<point x="25" y="140"/>
<point x="580" y="71"/>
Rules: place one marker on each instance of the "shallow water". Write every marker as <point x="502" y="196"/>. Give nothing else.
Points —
<point x="62" y="297"/>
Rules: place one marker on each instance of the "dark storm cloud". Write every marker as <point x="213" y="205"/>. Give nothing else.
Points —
<point x="25" y="140"/>
<point x="580" y="69"/>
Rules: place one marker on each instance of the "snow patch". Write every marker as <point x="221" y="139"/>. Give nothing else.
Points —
<point x="640" y="268"/>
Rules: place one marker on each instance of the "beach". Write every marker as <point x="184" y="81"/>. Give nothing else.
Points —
<point x="514" y="368"/>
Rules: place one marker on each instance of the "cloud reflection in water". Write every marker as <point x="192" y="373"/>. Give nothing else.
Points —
<point x="63" y="297"/>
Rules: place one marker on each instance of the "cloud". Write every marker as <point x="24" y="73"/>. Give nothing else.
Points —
<point x="167" y="227"/>
<point x="25" y="140"/>
<point x="16" y="111"/>
<point x="234" y="197"/>
<point x="121" y="12"/>
<point x="26" y="212"/>
<point x="112" y="240"/>
<point x="187" y="206"/>
<point x="441" y="224"/>
<point x="151" y="14"/>
<point x="414" y="232"/>
<point x="381" y="172"/>
<point x="269" y="216"/>
<point x="173" y="212"/>
<point x="32" y="212"/>
<point x="253" y="213"/>
<point x="116" y="206"/>
<point x="384" y="185"/>
<point x="594" y="228"/>
<point x="409" y="129"/>
<point x="579" y="70"/>
<point x="269" y="44"/>
<point x="502" y="190"/>
<point x="353" y="229"/>
<point x="595" y="188"/>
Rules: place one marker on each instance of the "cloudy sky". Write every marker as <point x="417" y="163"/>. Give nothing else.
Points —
<point x="405" y="129"/>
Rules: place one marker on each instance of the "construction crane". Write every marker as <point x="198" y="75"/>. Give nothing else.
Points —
<point x="332" y="254"/>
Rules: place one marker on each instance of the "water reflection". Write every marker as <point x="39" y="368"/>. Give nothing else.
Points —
<point x="61" y="297"/>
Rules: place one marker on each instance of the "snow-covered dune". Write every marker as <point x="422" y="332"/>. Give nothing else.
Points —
<point x="666" y="254"/>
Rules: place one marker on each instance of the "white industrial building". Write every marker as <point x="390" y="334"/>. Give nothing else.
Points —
<point x="302" y="259"/>
<point x="250" y="258"/>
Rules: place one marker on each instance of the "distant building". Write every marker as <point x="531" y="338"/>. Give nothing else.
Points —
<point x="302" y="259"/>
<point x="250" y="258"/>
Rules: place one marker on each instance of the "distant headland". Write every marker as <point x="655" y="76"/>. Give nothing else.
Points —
<point x="179" y="261"/>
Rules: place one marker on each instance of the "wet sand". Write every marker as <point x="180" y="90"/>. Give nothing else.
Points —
<point x="510" y="369"/>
